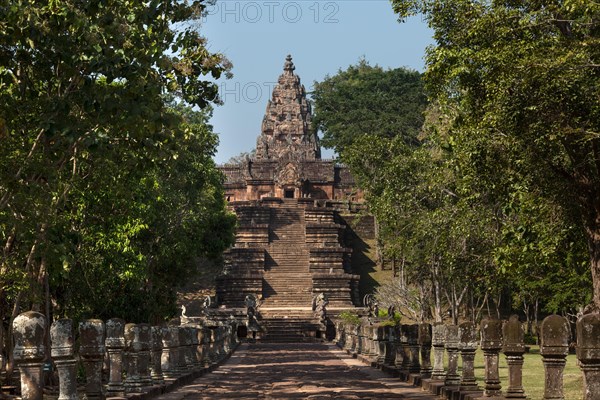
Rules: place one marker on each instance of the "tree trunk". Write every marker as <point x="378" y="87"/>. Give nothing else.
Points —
<point x="593" y="236"/>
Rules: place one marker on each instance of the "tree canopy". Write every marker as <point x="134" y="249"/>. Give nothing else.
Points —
<point x="108" y="190"/>
<point x="522" y="78"/>
<point x="368" y="100"/>
<point x="468" y="216"/>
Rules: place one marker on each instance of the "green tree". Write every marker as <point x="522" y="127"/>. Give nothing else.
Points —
<point x="108" y="190"/>
<point x="368" y="100"/>
<point x="523" y="79"/>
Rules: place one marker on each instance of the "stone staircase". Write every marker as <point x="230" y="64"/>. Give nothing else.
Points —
<point x="287" y="278"/>
<point x="289" y="325"/>
<point x="286" y="313"/>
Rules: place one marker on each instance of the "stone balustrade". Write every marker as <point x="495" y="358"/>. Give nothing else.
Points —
<point x="405" y="351"/>
<point x="119" y="360"/>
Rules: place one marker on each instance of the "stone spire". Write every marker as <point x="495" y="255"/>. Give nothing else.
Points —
<point x="285" y="129"/>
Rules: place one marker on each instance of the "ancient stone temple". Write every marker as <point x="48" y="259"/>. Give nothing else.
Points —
<point x="290" y="264"/>
<point x="287" y="162"/>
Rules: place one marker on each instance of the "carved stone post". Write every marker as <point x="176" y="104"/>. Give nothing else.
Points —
<point x="398" y="347"/>
<point x="468" y="346"/>
<point x="491" y="343"/>
<point x="452" y="343"/>
<point x="206" y="338"/>
<point x="514" y="348"/>
<point x="115" y="344"/>
<point x="380" y="337"/>
<point x="61" y="337"/>
<point x="169" y="357"/>
<point x="554" y="347"/>
<point x="438" y="337"/>
<point x="183" y="348"/>
<point x="91" y="351"/>
<point x="29" y="330"/>
<point x="188" y="351"/>
<point x="404" y="368"/>
<point x="156" y="356"/>
<point x="200" y="347"/>
<point x="390" y="351"/>
<point x="145" y="355"/>
<point x="425" y="343"/>
<point x="213" y="352"/>
<point x="588" y="353"/>
<point x="196" y="361"/>
<point x="414" y="366"/>
<point x="133" y="381"/>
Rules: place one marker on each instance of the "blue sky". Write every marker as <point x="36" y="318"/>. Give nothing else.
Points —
<point x="322" y="36"/>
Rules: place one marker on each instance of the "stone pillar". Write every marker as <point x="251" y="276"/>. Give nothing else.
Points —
<point x="183" y="348"/>
<point x="188" y="351"/>
<point x="404" y="368"/>
<point x="133" y="380"/>
<point x="398" y="347"/>
<point x="61" y="337"/>
<point x="91" y="351"/>
<point x="170" y="341"/>
<point x="199" y="347"/>
<point x="115" y="345"/>
<point x="452" y="343"/>
<point x="414" y="366"/>
<point x="425" y="344"/>
<point x="29" y="330"/>
<point x="390" y="351"/>
<point x="380" y="337"/>
<point x="468" y="345"/>
<point x="438" y="337"/>
<point x="340" y="334"/>
<point x="514" y="348"/>
<point x="491" y="343"/>
<point x="206" y="347"/>
<point x="588" y="353"/>
<point x="196" y="361"/>
<point x="144" y="354"/>
<point x="156" y="334"/>
<point x="554" y="347"/>
<point x="213" y="352"/>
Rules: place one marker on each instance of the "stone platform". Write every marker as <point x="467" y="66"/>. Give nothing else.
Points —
<point x="295" y="371"/>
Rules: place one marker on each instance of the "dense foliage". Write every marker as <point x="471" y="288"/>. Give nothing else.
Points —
<point x="368" y="100"/>
<point x="522" y="78"/>
<point x="108" y="191"/>
<point x="468" y="222"/>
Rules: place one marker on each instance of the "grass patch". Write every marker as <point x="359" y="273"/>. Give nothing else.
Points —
<point x="533" y="375"/>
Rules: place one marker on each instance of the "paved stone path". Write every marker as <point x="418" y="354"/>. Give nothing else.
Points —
<point x="295" y="371"/>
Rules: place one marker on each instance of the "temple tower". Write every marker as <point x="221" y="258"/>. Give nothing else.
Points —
<point x="286" y="126"/>
<point x="290" y="243"/>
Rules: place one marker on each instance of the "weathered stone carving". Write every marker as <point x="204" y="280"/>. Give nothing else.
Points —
<point x="115" y="345"/>
<point x="452" y="346"/>
<point x="514" y="348"/>
<point x="425" y="344"/>
<point x="133" y="346"/>
<point x="588" y="353"/>
<point x="319" y="307"/>
<point x="468" y="346"/>
<point x="157" y="333"/>
<point x="91" y="351"/>
<point x="438" y="338"/>
<point x="61" y="338"/>
<point x="29" y="330"/>
<point x="491" y="343"/>
<point x="252" y="304"/>
<point x="554" y="347"/>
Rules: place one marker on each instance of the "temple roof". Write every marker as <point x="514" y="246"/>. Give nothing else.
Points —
<point x="286" y="126"/>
